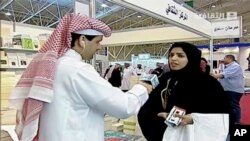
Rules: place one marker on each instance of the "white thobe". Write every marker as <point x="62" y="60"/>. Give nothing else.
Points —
<point x="139" y="71"/>
<point x="206" y="127"/>
<point x="81" y="98"/>
<point x="127" y="73"/>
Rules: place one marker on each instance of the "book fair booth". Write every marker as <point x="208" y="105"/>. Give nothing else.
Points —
<point x="20" y="42"/>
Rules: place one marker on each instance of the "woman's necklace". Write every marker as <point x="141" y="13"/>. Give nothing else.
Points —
<point x="165" y="93"/>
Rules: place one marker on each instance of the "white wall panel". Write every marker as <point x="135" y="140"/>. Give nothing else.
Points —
<point x="150" y="35"/>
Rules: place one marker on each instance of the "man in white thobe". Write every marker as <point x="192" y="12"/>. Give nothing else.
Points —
<point x="61" y="98"/>
<point x="127" y="73"/>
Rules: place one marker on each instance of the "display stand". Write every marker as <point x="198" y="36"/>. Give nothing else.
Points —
<point x="187" y="26"/>
<point x="184" y="19"/>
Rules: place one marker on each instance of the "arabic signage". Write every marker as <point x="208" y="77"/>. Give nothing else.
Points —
<point x="220" y="15"/>
<point x="183" y="17"/>
<point x="227" y="28"/>
<point x="171" y="9"/>
<point x="171" y="12"/>
<point x="144" y="56"/>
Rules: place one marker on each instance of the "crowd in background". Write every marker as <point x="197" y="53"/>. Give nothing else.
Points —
<point x="72" y="106"/>
<point x="119" y="76"/>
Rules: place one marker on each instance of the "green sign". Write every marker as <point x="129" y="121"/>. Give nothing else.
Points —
<point x="190" y="3"/>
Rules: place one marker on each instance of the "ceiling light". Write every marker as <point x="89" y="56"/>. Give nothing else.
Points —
<point x="8" y="14"/>
<point x="139" y="16"/>
<point x="245" y="30"/>
<point x="104" y="5"/>
<point x="213" y="6"/>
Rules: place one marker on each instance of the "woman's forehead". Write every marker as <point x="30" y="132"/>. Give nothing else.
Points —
<point x="177" y="50"/>
<point x="203" y="61"/>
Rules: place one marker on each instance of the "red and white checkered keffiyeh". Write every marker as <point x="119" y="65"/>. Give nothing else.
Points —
<point x="36" y="84"/>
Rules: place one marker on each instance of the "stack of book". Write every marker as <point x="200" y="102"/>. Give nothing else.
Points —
<point x="134" y="80"/>
<point x="119" y="136"/>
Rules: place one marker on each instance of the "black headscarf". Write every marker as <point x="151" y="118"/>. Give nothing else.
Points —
<point x="193" y="55"/>
<point x="189" y="88"/>
<point x="207" y="69"/>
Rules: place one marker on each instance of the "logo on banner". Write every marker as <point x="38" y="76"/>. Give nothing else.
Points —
<point x="217" y="15"/>
<point x="231" y="15"/>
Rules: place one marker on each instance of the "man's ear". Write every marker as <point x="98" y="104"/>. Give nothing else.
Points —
<point x="81" y="41"/>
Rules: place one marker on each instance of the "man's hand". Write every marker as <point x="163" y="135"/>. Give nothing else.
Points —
<point x="216" y="76"/>
<point x="148" y="86"/>
<point x="212" y="74"/>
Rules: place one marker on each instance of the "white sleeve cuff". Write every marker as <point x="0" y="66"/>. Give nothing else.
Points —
<point x="140" y="92"/>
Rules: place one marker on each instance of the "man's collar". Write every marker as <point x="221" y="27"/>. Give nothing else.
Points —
<point x="229" y="64"/>
<point x="72" y="53"/>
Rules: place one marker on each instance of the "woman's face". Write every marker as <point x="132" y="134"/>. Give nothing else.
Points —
<point x="177" y="59"/>
<point x="203" y="64"/>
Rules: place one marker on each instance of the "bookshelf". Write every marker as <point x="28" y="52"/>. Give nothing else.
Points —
<point x="11" y="49"/>
<point x="18" y="46"/>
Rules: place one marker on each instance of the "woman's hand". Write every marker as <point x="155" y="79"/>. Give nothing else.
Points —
<point x="186" y="119"/>
<point x="163" y="115"/>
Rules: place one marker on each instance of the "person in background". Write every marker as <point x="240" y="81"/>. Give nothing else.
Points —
<point x="166" y="68"/>
<point x="158" y="70"/>
<point x="115" y="78"/>
<point x="127" y="73"/>
<point x="248" y="63"/>
<point x="139" y="70"/>
<point x="221" y="66"/>
<point x="232" y="80"/>
<point x="106" y="72"/>
<point x="110" y="70"/>
<point x="206" y="105"/>
<point x="61" y="98"/>
<point x="204" y="66"/>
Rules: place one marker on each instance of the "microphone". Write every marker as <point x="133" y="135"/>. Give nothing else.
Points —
<point x="151" y="79"/>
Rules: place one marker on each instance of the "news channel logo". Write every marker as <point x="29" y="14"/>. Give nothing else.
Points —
<point x="217" y="15"/>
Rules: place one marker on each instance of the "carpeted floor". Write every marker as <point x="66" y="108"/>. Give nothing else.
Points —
<point x="245" y="109"/>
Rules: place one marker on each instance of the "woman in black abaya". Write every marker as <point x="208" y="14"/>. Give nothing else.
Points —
<point x="185" y="86"/>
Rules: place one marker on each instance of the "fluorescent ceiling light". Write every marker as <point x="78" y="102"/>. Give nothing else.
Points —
<point x="8" y="14"/>
<point x="104" y="5"/>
